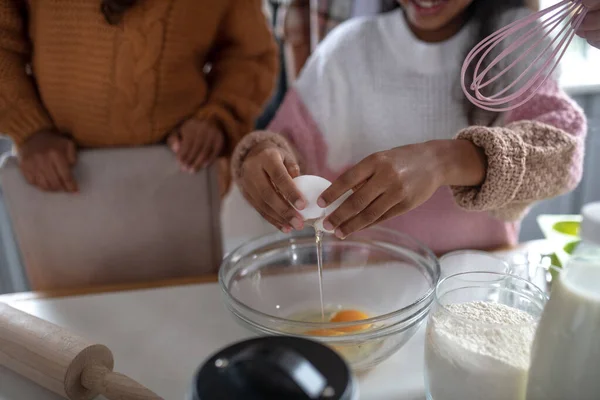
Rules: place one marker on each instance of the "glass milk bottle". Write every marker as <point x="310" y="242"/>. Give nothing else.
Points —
<point x="565" y="360"/>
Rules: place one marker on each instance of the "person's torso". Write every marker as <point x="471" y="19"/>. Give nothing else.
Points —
<point x="127" y="84"/>
<point x="389" y="90"/>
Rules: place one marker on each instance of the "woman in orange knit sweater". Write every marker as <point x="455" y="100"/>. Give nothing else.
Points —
<point x="83" y="74"/>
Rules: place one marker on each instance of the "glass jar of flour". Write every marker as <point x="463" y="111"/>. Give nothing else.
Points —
<point x="479" y="337"/>
<point x="566" y="352"/>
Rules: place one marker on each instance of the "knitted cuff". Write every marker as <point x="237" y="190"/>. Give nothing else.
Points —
<point x="247" y="144"/>
<point x="506" y="156"/>
<point x="26" y="122"/>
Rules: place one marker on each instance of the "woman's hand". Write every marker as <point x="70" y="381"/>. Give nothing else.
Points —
<point x="197" y="144"/>
<point x="46" y="160"/>
<point x="266" y="182"/>
<point x="590" y="28"/>
<point x="392" y="182"/>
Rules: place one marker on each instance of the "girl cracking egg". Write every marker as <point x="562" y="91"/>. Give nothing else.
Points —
<point x="378" y="109"/>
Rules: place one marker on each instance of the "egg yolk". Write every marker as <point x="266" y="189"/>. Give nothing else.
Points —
<point x="340" y="317"/>
<point x="324" y="332"/>
<point x="351" y="316"/>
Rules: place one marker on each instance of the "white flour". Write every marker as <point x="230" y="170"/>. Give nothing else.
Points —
<point x="467" y="360"/>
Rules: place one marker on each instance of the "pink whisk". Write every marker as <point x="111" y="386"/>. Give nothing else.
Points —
<point x="532" y="35"/>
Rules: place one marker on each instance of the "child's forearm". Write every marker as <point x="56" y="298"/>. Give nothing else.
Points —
<point x="526" y="162"/>
<point x="537" y="155"/>
<point x="461" y="163"/>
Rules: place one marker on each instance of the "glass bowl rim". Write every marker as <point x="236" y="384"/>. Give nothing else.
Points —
<point x="474" y="252"/>
<point x="436" y="298"/>
<point x="428" y="297"/>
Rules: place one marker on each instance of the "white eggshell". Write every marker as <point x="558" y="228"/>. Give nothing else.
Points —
<point x="318" y="225"/>
<point x="311" y="188"/>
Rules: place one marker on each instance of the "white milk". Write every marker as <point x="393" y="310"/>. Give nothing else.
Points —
<point x="565" y="363"/>
<point x="566" y="350"/>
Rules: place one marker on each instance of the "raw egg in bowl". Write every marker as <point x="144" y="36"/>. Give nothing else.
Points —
<point x="377" y="290"/>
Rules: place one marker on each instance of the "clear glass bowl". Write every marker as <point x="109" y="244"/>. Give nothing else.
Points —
<point x="469" y="357"/>
<point x="471" y="261"/>
<point x="271" y="284"/>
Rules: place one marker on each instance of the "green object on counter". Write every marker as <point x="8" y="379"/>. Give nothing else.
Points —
<point x="562" y="232"/>
<point x="570" y="247"/>
<point x="555" y="262"/>
<point x="567" y="227"/>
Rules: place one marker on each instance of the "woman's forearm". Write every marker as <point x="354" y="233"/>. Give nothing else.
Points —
<point x="21" y="110"/>
<point x="243" y="72"/>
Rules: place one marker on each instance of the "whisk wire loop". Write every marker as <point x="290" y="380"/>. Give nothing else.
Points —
<point x="541" y="41"/>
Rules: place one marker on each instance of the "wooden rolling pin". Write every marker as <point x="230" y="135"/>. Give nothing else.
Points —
<point x="62" y="362"/>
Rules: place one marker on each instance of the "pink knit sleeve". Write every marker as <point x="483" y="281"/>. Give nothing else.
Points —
<point x="538" y="154"/>
<point x="293" y="129"/>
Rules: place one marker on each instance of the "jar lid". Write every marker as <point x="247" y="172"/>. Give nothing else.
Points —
<point x="275" y="368"/>
<point x="590" y="224"/>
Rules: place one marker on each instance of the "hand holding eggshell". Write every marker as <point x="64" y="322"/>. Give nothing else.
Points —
<point x="266" y="182"/>
<point x="395" y="181"/>
<point x="270" y="183"/>
<point x="311" y="188"/>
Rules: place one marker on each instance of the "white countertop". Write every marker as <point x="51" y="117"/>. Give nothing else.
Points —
<point x="159" y="337"/>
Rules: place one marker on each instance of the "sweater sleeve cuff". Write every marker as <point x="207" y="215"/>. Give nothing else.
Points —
<point x="506" y="157"/>
<point x="223" y="118"/>
<point x="247" y="144"/>
<point x="25" y="123"/>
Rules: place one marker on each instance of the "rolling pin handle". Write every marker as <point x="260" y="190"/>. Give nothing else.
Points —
<point x="115" y="386"/>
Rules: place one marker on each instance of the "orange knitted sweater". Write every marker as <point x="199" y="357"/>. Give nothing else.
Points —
<point x="62" y="66"/>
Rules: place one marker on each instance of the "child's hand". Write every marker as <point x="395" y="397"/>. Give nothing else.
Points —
<point x="590" y="28"/>
<point x="46" y="159"/>
<point x="393" y="182"/>
<point x="266" y="183"/>
<point x="197" y="144"/>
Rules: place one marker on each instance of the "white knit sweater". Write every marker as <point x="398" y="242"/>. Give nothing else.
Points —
<point x="371" y="76"/>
